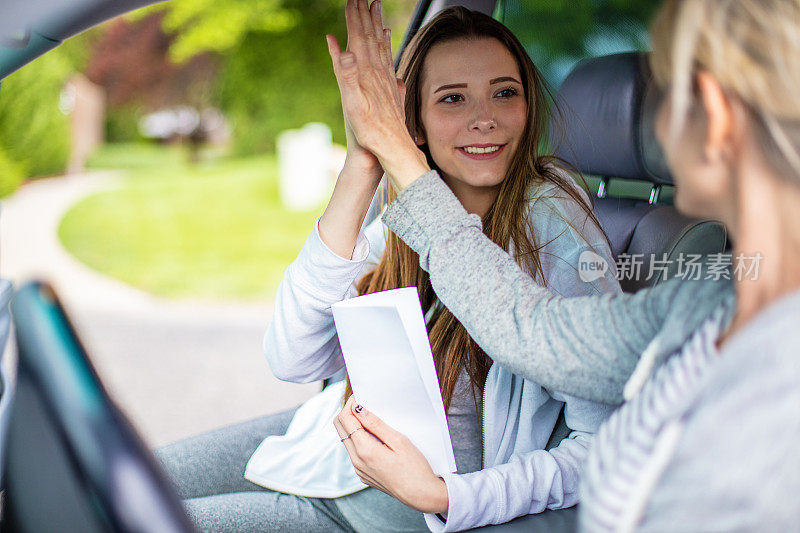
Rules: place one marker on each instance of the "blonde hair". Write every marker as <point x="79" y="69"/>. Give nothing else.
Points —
<point x="752" y="48"/>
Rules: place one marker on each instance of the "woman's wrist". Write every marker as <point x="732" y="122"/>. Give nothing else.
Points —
<point x="428" y="497"/>
<point x="404" y="163"/>
<point x="437" y="501"/>
<point x="365" y="169"/>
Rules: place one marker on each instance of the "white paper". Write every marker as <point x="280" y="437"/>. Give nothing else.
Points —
<point x="391" y="369"/>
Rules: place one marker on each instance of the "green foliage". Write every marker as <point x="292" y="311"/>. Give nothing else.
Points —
<point x="122" y="124"/>
<point x="277" y="81"/>
<point x="11" y="174"/>
<point x="34" y="132"/>
<point x="276" y="70"/>
<point x="558" y="33"/>
<point x="137" y="156"/>
<point x="77" y="50"/>
<point x="563" y="25"/>
<point x="218" y="25"/>
<point x="216" y="230"/>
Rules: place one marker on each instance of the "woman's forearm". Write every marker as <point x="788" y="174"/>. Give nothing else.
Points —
<point x="340" y="224"/>
<point x="300" y="343"/>
<point x="355" y="187"/>
<point x="584" y="346"/>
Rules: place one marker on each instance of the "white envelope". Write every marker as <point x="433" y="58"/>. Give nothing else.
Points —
<point x="389" y="360"/>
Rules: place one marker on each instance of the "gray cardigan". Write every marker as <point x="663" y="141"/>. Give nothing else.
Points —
<point x="586" y="347"/>
<point x="736" y="466"/>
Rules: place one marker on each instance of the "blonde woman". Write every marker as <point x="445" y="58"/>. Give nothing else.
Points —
<point x="707" y="438"/>
<point x="477" y="108"/>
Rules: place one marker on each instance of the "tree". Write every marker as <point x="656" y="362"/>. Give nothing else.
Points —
<point x="34" y="133"/>
<point x="131" y="61"/>
<point x="275" y="70"/>
<point x="221" y="25"/>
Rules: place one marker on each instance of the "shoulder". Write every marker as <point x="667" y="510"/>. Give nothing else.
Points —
<point x="555" y="214"/>
<point x="737" y="455"/>
<point x="763" y="351"/>
<point x="563" y="232"/>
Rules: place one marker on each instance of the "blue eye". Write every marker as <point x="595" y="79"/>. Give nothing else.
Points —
<point x="508" y="92"/>
<point x="451" y="98"/>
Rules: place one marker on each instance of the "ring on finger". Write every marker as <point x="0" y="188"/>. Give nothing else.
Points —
<point x="350" y="434"/>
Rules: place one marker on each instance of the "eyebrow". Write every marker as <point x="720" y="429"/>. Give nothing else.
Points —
<point x="464" y="85"/>
<point x="451" y="86"/>
<point x="503" y="78"/>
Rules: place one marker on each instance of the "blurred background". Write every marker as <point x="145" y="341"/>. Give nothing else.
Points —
<point x="164" y="168"/>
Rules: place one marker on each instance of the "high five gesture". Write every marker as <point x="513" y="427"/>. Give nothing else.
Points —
<point x="372" y="97"/>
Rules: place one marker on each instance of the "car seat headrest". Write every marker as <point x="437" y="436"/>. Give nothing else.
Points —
<point x="609" y="106"/>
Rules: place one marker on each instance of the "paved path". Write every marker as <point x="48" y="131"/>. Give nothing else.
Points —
<point x="175" y="367"/>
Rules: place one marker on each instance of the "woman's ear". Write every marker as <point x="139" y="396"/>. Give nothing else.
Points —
<point x="719" y="135"/>
<point x="419" y="138"/>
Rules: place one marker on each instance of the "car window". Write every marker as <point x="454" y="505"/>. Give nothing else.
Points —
<point x="558" y="34"/>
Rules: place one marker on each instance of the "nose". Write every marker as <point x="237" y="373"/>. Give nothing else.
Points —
<point x="483" y="119"/>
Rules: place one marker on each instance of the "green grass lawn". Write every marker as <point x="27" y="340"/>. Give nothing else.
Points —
<point x="215" y="231"/>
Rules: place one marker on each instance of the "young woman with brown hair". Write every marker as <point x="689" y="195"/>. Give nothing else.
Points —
<point x="707" y="437"/>
<point x="476" y="108"/>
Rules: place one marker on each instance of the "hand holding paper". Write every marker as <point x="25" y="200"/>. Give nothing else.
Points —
<point x="391" y="369"/>
<point x="387" y="460"/>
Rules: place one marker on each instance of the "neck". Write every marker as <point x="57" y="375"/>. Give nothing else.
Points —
<point x="476" y="200"/>
<point x="767" y="225"/>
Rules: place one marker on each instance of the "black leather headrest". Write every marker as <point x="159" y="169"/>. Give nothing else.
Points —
<point x="609" y="105"/>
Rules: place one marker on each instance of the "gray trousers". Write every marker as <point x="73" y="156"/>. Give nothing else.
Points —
<point x="208" y="471"/>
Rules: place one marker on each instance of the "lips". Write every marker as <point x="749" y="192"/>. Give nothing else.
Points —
<point x="482" y="156"/>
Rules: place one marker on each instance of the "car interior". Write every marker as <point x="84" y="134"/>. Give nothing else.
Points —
<point x="609" y="105"/>
<point x="72" y="462"/>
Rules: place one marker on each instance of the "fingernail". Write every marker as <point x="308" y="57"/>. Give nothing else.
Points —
<point x="387" y="34"/>
<point x="358" y="408"/>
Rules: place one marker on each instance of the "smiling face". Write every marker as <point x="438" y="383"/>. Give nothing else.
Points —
<point x="473" y="111"/>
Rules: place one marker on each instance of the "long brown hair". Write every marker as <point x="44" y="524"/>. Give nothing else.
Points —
<point x="505" y="222"/>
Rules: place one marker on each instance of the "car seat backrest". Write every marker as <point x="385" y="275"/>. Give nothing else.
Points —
<point x="608" y="107"/>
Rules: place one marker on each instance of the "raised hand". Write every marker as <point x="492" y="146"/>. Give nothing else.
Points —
<point x="377" y="138"/>
<point x="340" y="224"/>
<point x="357" y="154"/>
<point x="371" y="95"/>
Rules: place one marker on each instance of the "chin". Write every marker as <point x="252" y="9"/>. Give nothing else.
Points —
<point x="691" y="207"/>
<point x="486" y="180"/>
<point x="477" y="182"/>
